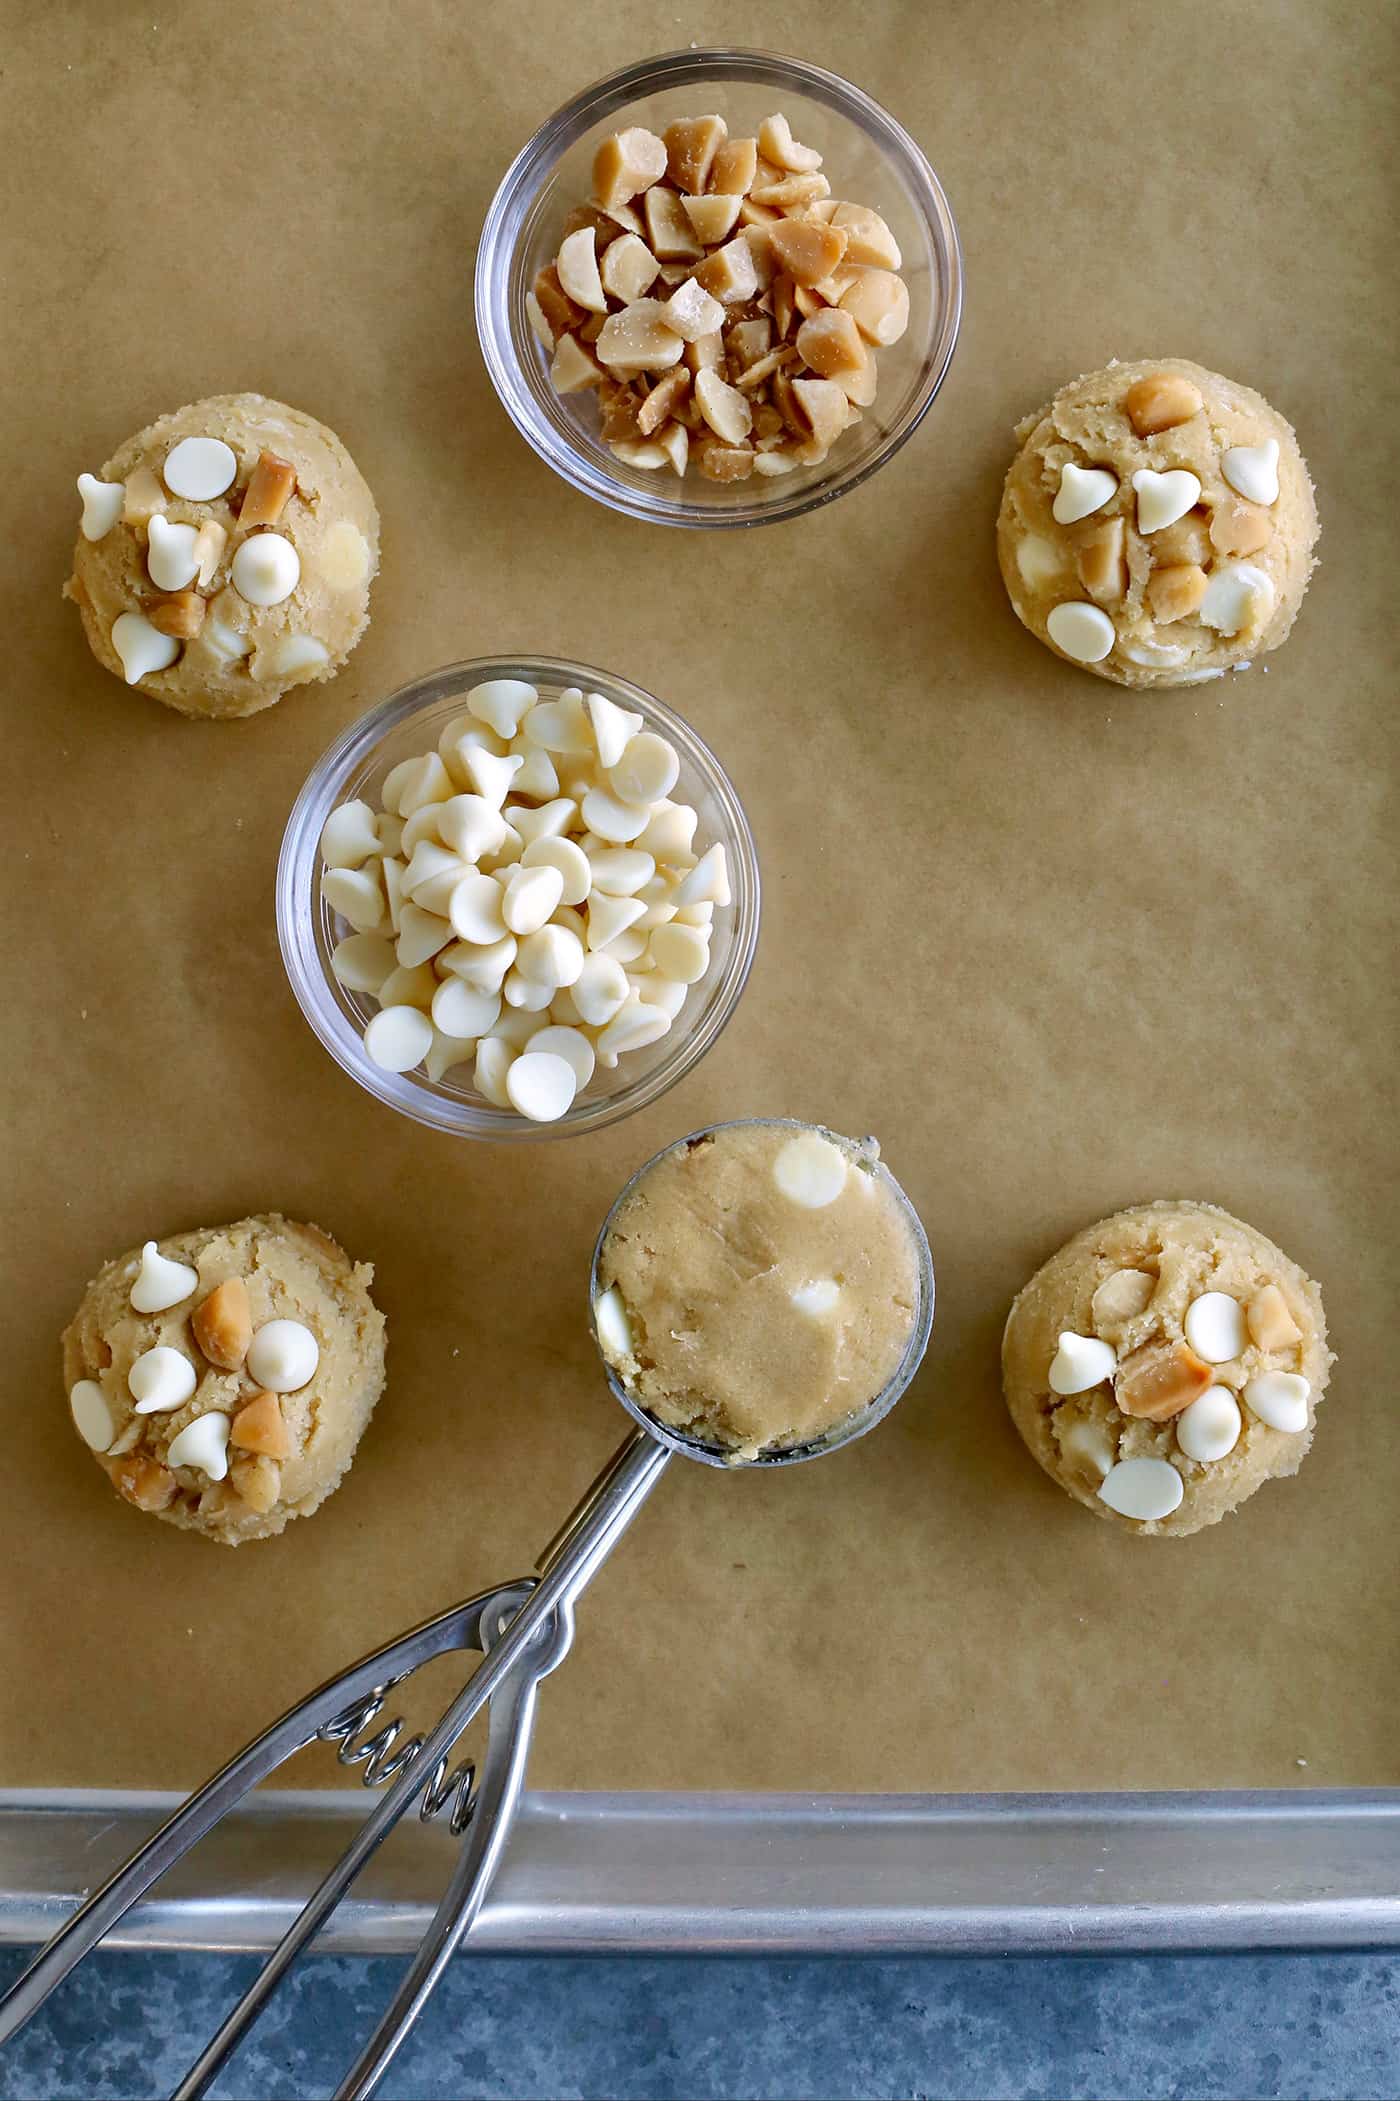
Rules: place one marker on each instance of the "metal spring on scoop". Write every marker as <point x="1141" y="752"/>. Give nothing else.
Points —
<point x="384" y="1757"/>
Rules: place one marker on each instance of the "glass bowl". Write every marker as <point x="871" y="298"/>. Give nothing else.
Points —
<point x="409" y="723"/>
<point x="868" y="158"/>
<point x="841" y="1433"/>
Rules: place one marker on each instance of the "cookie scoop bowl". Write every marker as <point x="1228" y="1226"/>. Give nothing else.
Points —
<point x="853" y="1426"/>
<point x="868" y="157"/>
<point x="408" y="724"/>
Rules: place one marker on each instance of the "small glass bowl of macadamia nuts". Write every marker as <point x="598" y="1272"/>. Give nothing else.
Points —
<point x="518" y="900"/>
<point x="718" y="288"/>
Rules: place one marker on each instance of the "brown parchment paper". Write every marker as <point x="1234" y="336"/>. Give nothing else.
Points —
<point x="1060" y="947"/>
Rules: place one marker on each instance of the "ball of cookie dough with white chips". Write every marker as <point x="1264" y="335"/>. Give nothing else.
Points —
<point x="1165" y="1364"/>
<point x="223" y="1378"/>
<point x="225" y="554"/>
<point x="1157" y="525"/>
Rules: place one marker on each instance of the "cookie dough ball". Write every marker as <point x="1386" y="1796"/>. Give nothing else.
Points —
<point x="759" y="1286"/>
<point x="225" y="555"/>
<point x="1165" y="1364"/>
<point x="1157" y="525"/>
<point x="223" y="1378"/>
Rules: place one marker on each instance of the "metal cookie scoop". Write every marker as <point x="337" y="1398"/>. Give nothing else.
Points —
<point x="523" y="1631"/>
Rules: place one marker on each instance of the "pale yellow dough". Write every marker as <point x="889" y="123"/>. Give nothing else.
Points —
<point x="330" y="519"/>
<point x="292" y="1272"/>
<point x="1086" y="426"/>
<point x="1186" y="1249"/>
<point x="706" y="1253"/>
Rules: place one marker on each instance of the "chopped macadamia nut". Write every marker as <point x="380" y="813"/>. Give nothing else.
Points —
<point x="561" y="313"/>
<point x="577" y="264"/>
<point x="878" y="302"/>
<point x="692" y="312"/>
<point x="700" y="254"/>
<point x="1271" y="1325"/>
<point x="1175" y="592"/>
<point x="777" y="144"/>
<point x="628" y="162"/>
<point x="691" y="146"/>
<point x="1237" y="527"/>
<point x="209" y="544"/>
<point x="573" y="367"/>
<point x="1160" y="1380"/>
<point x="806" y="250"/>
<point x="1160" y="402"/>
<point x="1102" y="562"/>
<point x="143" y="497"/>
<point x="728" y="273"/>
<point x="830" y="343"/>
<point x="628" y="269"/>
<point x="640" y="339"/>
<point x="735" y="165"/>
<point x="178" y="613"/>
<point x="273" y="481"/>
<point x="868" y="239"/>
<point x="712" y="218"/>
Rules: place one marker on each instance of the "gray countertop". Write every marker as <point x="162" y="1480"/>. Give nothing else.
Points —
<point x="1217" y="2028"/>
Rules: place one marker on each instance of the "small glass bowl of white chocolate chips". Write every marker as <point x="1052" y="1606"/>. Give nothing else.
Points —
<point x="1197" y="1391"/>
<point x="519" y="899"/>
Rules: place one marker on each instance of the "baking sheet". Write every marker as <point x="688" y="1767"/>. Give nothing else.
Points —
<point x="1061" y="947"/>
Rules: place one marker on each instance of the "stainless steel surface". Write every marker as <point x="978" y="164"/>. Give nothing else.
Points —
<point x="592" y="1873"/>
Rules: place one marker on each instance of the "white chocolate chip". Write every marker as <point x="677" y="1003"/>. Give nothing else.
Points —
<point x="550" y="821"/>
<point x="527" y="995"/>
<point x="102" y="505"/>
<point x="475" y="909"/>
<point x="541" y="1086"/>
<point x="571" y="1045"/>
<point x="494" y="1059"/>
<point x="1280" y="1399"/>
<point x="502" y="704"/>
<point x="1145" y="1489"/>
<point x="600" y="990"/>
<point x="141" y="647"/>
<point x="266" y="569"/>
<point x="1163" y="498"/>
<point x="552" y="956"/>
<point x="171" y="560"/>
<point x="464" y="1011"/>
<point x="669" y="834"/>
<point x="569" y="859"/>
<point x="1156" y="656"/>
<point x="1234" y="596"/>
<point x="681" y="952"/>
<point x="490" y="776"/>
<point x="531" y="898"/>
<point x="1214" y="1327"/>
<point x="646" y="772"/>
<point x="1252" y="471"/>
<point x="612" y="819"/>
<point x="515" y="1027"/>
<point x="818" y="1298"/>
<point x="161" y="1379"/>
<point x="1080" y="1362"/>
<point x="655" y="991"/>
<point x="283" y="1356"/>
<point x="631" y="1028"/>
<point x="348" y="836"/>
<point x="92" y="1415"/>
<point x="708" y="880"/>
<point x="416" y="782"/>
<point x="562" y="725"/>
<point x="203" y="1444"/>
<point x="537" y="776"/>
<point x="810" y="1170"/>
<point x="1210" y="1427"/>
<point x="610" y="917"/>
<point x="398" y="1038"/>
<point x="470" y="826"/>
<point x="611" y="1325"/>
<point x="199" y="469"/>
<point x="291" y="654"/>
<point x="447" y="1051"/>
<point x="613" y="728"/>
<point x="621" y="870"/>
<point x="1081" y="630"/>
<point x="1082" y="491"/>
<point x="480" y="964"/>
<point x="160" y="1283"/>
<point x="406" y="987"/>
<point x="362" y="962"/>
<point x="355" y="894"/>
